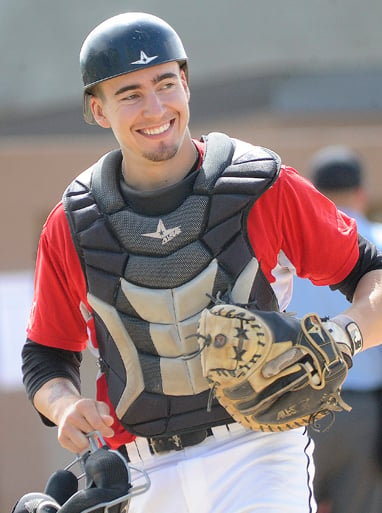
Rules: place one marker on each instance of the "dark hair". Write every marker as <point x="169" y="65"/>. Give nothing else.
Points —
<point x="336" y="168"/>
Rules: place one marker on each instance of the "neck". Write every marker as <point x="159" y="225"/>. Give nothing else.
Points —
<point x="146" y="175"/>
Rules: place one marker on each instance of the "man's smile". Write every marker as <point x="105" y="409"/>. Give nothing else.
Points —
<point x="157" y="130"/>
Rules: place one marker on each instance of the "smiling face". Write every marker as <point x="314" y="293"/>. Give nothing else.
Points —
<point x="148" y="112"/>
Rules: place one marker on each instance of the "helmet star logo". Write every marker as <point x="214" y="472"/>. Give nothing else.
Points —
<point x="163" y="233"/>
<point x="144" y="59"/>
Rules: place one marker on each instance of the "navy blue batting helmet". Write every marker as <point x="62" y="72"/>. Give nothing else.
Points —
<point x="125" y="43"/>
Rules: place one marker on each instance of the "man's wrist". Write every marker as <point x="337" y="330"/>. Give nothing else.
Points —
<point x="346" y="331"/>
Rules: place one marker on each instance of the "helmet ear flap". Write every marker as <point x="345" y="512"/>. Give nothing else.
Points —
<point x="123" y="44"/>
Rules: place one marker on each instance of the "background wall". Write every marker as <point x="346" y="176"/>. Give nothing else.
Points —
<point x="41" y="40"/>
<point x="289" y="74"/>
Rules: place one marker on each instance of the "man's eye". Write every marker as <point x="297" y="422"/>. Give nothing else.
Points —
<point x="168" y="85"/>
<point x="130" y="97"/>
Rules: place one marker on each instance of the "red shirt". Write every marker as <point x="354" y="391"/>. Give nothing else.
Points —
<point x="290" y="223"/>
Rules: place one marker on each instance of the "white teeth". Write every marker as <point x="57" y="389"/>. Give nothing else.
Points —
<point x="156" y="131"/>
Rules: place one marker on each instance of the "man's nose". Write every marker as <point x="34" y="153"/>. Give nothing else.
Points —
<point x="153" y="105"/>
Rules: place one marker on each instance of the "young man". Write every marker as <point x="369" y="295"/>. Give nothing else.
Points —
<point x="141" y="244"/>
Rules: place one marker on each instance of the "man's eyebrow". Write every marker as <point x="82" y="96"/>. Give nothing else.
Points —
<point x="124" y="89"/>
<point x="155" y="80"/>
<point x="164" y="76"/>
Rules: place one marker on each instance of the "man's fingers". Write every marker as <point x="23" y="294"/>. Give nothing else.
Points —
<point x="95" y="417"/>
<point x="82" y="418"/>
<point x="104" y="412"/>
<point x="73" y="440"/>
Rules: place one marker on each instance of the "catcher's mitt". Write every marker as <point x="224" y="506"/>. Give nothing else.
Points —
<point x="271" y="371"/>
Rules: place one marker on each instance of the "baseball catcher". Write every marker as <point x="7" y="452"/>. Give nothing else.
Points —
<point x="273" y="372"/>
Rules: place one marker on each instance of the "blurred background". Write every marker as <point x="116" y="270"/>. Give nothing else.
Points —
<point x="288" y="74"/>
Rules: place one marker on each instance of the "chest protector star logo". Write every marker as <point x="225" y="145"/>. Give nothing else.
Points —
<point x="166" y="234"/>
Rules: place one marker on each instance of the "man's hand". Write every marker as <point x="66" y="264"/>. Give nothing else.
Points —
<point x="81" y="417"/>
<point x="75" y="416"/>
<point x="271" y="371"/>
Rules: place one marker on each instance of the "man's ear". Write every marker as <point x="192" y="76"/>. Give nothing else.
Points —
<point x="183" y="79"/>
<point x="96" y="106"/>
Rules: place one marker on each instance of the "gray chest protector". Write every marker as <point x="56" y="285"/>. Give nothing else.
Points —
<point x="149" y="277"/>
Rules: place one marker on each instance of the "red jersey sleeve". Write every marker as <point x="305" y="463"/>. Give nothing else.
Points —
<point x="60" y="289"/>
<point x="293" y="218"/>
<point x="60" y="296"/>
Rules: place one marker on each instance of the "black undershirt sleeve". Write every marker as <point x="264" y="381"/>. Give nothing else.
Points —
<point x="41" y="364"/>
<point x="369" y="259"/>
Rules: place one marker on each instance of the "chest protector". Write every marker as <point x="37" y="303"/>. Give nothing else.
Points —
<point x="149" y="277"/>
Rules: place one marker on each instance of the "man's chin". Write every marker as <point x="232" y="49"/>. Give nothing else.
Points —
<point x="162" y="153"/>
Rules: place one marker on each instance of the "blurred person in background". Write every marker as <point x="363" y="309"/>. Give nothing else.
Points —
<point x="347" y="454"/>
